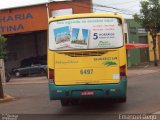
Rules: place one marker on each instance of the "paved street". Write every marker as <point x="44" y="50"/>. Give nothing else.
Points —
<point x="32" y="98"/>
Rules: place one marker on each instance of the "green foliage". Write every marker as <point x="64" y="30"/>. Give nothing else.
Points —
<point x="149" y="18"/>
<point x="3" y="50"/>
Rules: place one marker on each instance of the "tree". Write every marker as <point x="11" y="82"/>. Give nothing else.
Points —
<point x="3" y="50"/>
<point x="149" y="18"/>
<point x="3" y="53"/>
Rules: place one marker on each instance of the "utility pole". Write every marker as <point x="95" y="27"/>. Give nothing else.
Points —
<point x="2" y="46"/>
<point x="1" y="89"/>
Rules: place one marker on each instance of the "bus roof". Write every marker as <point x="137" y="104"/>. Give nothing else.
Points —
<point x="85" y="15"/>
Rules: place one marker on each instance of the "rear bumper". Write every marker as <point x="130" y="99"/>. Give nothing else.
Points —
<point x="103" y="91"/>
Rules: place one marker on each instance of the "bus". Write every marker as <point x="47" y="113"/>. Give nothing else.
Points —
<point x="87" y="57"/>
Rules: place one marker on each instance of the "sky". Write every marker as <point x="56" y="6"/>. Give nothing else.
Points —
<point x="127" y="7"/>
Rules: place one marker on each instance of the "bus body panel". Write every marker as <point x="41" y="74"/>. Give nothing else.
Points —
<point x="97" y="71"/>
<point x="102" y="91"/>
<point x="90" y="59"/>
<point x="81" y="69"/>
<point x="100" y="76"/>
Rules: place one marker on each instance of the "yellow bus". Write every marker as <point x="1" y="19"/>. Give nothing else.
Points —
<point x="87" y="58"/>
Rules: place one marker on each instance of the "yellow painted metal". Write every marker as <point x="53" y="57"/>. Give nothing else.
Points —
<point x="151" y="53"/>
<point x="87" y="15"/>
<point x="98" y="66"/>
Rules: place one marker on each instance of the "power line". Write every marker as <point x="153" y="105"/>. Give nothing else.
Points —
<point x="131" y="6"/>
<point x="106" y="6"/>
<point x="121" y="11"/>
<point x="122" y="3"/>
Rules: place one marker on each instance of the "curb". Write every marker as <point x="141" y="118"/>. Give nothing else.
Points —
<point x="140" y="72"/>
<point x="157" y="112"/>
<point x="24" y="82"/>
<point x="27" y="80"/>
<point x="7" y="98"/>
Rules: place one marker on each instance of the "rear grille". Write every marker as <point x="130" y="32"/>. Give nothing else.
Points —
<point x="84" y="54"/>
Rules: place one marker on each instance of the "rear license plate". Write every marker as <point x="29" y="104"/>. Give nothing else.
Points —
<point x="87" y="93"/>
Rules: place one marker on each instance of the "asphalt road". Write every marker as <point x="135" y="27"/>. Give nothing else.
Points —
<point x="143" y="98"/>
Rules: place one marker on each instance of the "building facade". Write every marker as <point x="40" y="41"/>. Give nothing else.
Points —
<point x="137" y="34"/>
<point x="26" y="29"/>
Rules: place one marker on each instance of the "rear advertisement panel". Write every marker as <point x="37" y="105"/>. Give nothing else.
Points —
<point x="85" y="33"/>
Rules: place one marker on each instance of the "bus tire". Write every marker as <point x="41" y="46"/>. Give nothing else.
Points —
<point x="122" y="100"/>
<point x="17" y="74"/>
<point x="42" y="71"/>
<point x="74" y="102"/>
<point x="8" y="76"/>
<point x="64" y="103"/>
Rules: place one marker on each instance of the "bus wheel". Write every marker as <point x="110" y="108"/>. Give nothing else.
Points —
<point x="64" y="102"/>
<point x="42" y="71"/>
<point x="122" y="100"/>
<point x="74" y="102"/>
<point x="17" y="73"/>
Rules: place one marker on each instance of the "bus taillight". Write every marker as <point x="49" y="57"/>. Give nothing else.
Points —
<point x="51" y="74"/>
<point x="123" y="71"/>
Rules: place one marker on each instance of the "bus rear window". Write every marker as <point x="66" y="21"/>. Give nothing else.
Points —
<point x="85" y="33"/>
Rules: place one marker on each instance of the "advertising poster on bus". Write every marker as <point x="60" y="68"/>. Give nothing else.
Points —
<point x="62" y="37"/>
<point x="86" y="33"/>
<point x="79" y="38"/>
